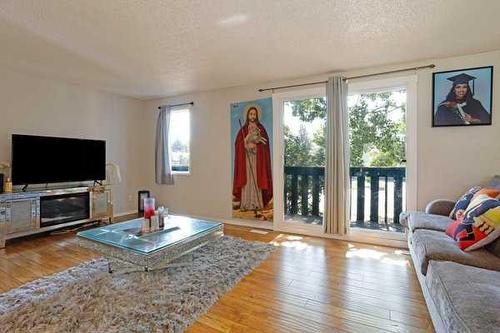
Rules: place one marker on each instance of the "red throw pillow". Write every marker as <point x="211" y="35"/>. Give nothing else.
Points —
<point x="467" y="235"/>
<point x="452" y="227"/>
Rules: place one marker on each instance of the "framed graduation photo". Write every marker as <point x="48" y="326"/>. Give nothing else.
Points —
<point x="462" y="97"/>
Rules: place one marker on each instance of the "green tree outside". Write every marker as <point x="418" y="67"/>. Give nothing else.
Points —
<point x="376" y="135"/>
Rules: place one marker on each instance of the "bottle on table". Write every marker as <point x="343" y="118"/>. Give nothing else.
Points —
<point x="155" y="223"/>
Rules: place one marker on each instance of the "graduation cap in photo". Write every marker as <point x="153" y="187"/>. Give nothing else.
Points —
<point x="461" y="79"/>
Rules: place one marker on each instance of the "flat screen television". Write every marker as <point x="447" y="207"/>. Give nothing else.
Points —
<point x="42" y="159"/>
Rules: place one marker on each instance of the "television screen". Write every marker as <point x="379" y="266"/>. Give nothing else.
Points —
<point x="41" y="159"/>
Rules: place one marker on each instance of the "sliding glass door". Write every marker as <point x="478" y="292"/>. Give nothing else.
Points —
<point x="382" y="141"/>
<point x="377" y="129"/>
<point x="302" y="121"/>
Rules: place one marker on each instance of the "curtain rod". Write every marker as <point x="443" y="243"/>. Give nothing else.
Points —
<point x="350" y="78"/>
<point x="175" y="105"/>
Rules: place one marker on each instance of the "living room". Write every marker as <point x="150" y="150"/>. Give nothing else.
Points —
<point x="250" y="166"/>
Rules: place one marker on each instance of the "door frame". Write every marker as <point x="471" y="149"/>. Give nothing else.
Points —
<point x="279" y="223"/>
<point x="357" y="86"/>
<point x="410" y="84"/>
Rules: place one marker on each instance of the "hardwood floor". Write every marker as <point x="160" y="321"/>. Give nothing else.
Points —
<point x="307" y="285"/>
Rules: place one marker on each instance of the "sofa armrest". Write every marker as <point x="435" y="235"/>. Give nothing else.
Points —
<point x="440" y="207"/>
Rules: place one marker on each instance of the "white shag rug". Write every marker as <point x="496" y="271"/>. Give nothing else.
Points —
<point x="87" y="298"/>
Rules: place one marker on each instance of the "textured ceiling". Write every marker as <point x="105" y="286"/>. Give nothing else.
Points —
<point x="163" y="48"/>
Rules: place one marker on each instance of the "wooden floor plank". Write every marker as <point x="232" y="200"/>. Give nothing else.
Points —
<point x="307" y="285"/>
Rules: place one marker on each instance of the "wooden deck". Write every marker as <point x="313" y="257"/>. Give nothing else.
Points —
<point x="308" y="285"/>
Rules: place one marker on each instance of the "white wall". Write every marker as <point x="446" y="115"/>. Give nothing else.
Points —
<point x="39" y="106"/>
<point x="449" y="159"/>
<point x="207" y="190"/>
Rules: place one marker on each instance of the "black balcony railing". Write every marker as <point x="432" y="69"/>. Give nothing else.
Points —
<point x="180" y="168"/>
<point x="304" y="188"/>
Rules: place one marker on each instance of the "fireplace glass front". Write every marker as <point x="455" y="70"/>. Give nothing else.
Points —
<point x="59" y="209"/>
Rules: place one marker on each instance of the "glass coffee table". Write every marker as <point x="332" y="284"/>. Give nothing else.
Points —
<point x="127" y="248"/>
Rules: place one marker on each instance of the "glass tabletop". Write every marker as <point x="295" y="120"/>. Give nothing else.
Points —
<point x="128" y="235"/>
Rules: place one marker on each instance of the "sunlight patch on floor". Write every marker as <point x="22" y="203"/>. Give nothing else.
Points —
<point x="294" y="238"/>
<point x="384" y="257"/>
<point x="290" y="241"/>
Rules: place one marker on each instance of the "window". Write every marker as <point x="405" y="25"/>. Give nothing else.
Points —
<point x="180" y="132"/>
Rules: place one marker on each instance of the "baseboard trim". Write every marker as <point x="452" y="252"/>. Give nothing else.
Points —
<point x="357" y="237"/>
<point x="242" y="223"/>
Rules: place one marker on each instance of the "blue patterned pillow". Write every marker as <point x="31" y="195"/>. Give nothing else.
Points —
<point x="463" y="202"/>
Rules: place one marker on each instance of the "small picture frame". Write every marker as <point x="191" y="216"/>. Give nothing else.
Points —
<point x="141" y="195"/>
<point x="462" y="97"/>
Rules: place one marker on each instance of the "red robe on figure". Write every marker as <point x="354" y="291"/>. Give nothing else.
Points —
<point x="263" y="167"/>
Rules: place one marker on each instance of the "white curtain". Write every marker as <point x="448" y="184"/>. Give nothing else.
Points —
<point x="163" y="168"/>
<point x="337" y="184"/>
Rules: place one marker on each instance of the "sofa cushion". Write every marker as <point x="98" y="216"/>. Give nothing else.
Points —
<point x="420" y="220"/>
<point x="494" y="247"/>
<point x="436" y="245"/>
<point x="467" y="298"/>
